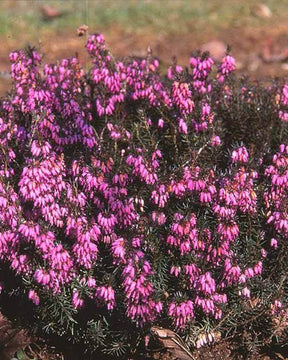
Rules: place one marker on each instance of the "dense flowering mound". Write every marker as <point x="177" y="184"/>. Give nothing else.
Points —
<point x="128" y="199"/>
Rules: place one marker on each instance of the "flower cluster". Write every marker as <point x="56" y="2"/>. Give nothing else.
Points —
<point x="277" y="195"/>
<point x="283" y="113"/>
<point x="117" y="193"/>
<point x="201" y="68"/>
<point x="139" y="290"/>
<point x="227" y="66"/>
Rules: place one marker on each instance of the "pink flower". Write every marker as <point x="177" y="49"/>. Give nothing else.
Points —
<point x="182" y="127"/>
<point x="227" y="66"/>
<point x="119" y="249"/>
<point x="175" y="270"/>
<point x="160" y="123"/>
<point x="106" y="295"/>
<point x="240" y="155"/>
<point x="274" y="243"/>
<point x="158" y="217"/>
<point x="215" y="140"/>
<point x="246" y="292"/>
<point x="76" y="300"/>
<point x="34" y="297"/>
<point x="91" y="282"/>
<point x="181" y="313"/>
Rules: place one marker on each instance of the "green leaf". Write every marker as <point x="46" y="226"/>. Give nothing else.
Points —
<point x="21" y="355"/>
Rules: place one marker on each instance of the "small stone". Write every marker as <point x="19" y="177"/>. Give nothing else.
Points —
<point x="217" y="49"/>
<point x="262" y="11"/>
<point x="50" y="13"/>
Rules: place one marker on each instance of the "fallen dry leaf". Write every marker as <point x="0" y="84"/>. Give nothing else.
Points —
<point x="11" y="339"/>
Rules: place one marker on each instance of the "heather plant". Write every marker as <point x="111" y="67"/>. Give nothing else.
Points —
<point x="130" y="199"/>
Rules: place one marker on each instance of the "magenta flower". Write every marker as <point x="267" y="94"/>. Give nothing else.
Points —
<point x="76" y="300"/>
<point x="181" y="313"/>
<point x="33" y="297"/>
<point x="106" y="295"/>
<point x="240" y="155"/>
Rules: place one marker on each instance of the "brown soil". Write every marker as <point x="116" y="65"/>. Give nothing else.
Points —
<point x="226" y="351"/>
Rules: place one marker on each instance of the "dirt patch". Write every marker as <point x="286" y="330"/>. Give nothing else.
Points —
<point x="225" y="350"/>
